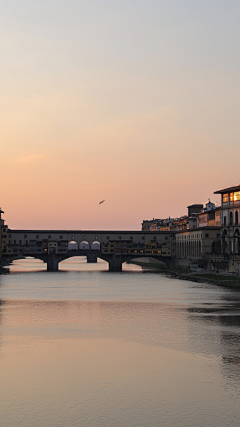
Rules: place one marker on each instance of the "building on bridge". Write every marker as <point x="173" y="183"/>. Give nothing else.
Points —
<point x="164" y="248"/>
<point x="115" y="247"/>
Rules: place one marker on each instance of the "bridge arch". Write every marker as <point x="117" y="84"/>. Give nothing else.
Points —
<point x="84" y="245"/>
<point x="95" y="245"/>
<point x="72" y="245"/>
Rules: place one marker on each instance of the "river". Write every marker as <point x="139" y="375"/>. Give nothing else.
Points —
<point x="85" y="347"/>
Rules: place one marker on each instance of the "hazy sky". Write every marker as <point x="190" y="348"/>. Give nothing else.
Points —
<point x="135" y="102"/>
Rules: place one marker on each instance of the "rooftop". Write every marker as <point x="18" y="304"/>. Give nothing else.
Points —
<point x="228" y="190"/>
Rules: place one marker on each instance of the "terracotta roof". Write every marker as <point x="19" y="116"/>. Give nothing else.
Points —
<point x="228" y="190"/>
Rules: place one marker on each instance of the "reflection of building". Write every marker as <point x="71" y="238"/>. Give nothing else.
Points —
<point x="218" y="325"/>
<point x="230" y="227"/>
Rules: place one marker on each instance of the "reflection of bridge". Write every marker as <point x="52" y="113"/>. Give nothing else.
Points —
<point x="115" y="247"/>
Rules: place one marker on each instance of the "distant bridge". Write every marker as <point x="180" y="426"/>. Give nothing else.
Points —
<point x="115" y="247"/>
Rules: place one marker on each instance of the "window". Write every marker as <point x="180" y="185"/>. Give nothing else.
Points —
<point x="231" y="197"/>
<point x="119" y="238"/>
<point x="20" y="242"/>
<point x="49" y="237"/>
<point x="25" y="236"/>
<point x="10" y="236"/>
<point x="224" y="220"/>
<point x="206" y="234"/>
<point x="96" y="237"/>
<point x="37" y="236"/>
<point x="166" y="238"/>
<point x="231" y="218"/>
<point x="142" y="237"/>
<point x="61" y="237"/>
<point x="237" y="195"/>
<point x="225" y="198"/>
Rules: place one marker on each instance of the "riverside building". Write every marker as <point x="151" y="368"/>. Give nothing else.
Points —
<point x="230" y="227"/>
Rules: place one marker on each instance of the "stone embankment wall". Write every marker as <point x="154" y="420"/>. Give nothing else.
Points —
<point x="213" y="264"/>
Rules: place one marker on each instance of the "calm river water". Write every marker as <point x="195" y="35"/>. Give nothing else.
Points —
<point x="85" y="347"/>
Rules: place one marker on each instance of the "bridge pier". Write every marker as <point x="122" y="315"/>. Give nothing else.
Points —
<point x="91" y="258"/>
<point x="52" y="263"/>
<point x="115" y="264"/>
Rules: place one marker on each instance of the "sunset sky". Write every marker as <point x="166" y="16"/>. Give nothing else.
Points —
<point x="135" y="102"/>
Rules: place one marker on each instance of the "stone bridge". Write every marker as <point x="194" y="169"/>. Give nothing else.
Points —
<point x="115" y="247"/>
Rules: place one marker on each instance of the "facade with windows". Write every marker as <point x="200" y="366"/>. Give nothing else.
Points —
<point x="209" y="216"/>
<point x="230" y="216"/>
<point x="197" y="243"/>
<point x="4" y="229"/>
<point x="1" y="235"/>
<point x="163" y="245"/>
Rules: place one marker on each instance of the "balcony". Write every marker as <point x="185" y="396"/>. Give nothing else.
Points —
<point x="235" y="204"/>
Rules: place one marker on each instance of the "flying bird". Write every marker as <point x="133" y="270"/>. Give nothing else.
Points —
<point x="101" y="202"/>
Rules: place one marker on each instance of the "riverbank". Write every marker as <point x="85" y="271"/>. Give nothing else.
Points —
<point x="3" y="270"/>
<point x="220" y="279"/>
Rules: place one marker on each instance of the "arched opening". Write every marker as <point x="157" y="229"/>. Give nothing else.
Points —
<point x="237" y="241"/>
<point x="236" y="218"/>
<point x="224" y="241"/>
<point x="231" y="218"/>
<point x="95" y="246"/>
<point x="72" y="246"/>
<point x="84" y="245"/>
<point x="195" y="255"/>
<point x="216" y="247"/>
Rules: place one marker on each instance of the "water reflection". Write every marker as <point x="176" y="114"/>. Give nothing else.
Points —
<point x="219" y="326"/>
<point x="211" y="331"/>
<point x="93" y="348"/>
